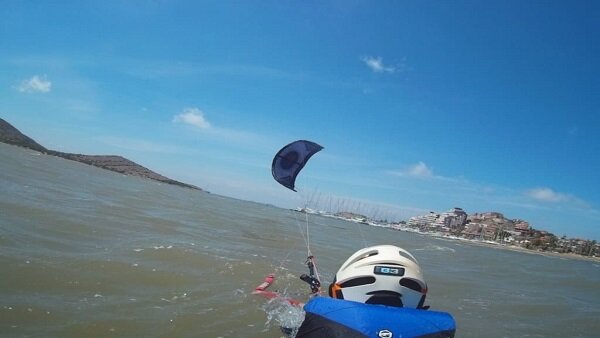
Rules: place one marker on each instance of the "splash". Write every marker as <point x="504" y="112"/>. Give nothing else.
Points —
<point x="283" y="315"/>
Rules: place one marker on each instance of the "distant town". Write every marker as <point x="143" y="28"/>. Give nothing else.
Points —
<point x="487" y="228"/>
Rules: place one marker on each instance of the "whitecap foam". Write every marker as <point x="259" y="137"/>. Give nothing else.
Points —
<point x="432" y="247"/>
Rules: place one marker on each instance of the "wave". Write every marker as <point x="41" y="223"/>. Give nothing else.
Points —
<point x="432" y="247"/>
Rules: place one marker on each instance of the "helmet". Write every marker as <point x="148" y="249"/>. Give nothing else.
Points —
<point x="382" y="274"/>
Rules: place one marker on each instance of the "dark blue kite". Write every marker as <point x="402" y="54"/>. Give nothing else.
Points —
<point x="290" y="160"/>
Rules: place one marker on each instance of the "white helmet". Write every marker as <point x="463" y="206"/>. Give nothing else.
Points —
<point x="382" y="274"/>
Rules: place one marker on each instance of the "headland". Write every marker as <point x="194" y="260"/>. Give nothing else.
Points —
<point x="11" y="135"/>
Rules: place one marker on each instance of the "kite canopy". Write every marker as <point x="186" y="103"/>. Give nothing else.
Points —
<point x="290" y="160"/>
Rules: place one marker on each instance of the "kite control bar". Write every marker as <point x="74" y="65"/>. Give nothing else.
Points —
<point x="311" y="278"/>
<point x="315" y="285"/>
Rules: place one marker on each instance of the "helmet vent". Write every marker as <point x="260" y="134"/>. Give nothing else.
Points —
<point x="372" y="253"/>
<point x="411" y="284"/>
<point x="360" y="258"/>
<point x="358" y="281"/>
<point x="407" y="255"/>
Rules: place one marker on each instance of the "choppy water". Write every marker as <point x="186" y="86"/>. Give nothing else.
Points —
<point x="86" y="252"/>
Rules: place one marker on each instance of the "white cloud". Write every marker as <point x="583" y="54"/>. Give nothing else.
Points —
<point x="422" y="171"/>
<point x="35" y="84"/>
<point x="193" y="117"/>
<point x="546" y="195"/>
<point x="376" y="65"/>
<point x="419" y="170"/>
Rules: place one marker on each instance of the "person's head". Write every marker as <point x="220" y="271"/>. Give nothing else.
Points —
<point x="382" y="274"/>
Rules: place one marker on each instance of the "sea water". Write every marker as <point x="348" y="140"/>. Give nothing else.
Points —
<point x="86" y="252"/>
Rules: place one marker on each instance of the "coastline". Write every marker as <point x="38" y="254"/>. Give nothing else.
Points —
<point x="520" y="249"/>
<point x="465" y="240"/>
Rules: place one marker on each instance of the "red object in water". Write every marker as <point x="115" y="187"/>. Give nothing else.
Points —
<point x="262" y="291"/>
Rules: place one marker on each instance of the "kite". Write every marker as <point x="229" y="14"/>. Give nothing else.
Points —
<point x="290" y="160"/>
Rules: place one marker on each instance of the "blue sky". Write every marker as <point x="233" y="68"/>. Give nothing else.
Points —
<point x="420" y="105"/>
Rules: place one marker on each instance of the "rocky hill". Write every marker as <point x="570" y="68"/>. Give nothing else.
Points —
<point x="11" y="135"/>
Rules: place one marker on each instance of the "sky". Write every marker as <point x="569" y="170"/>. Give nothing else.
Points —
<point x="420" y="105"/>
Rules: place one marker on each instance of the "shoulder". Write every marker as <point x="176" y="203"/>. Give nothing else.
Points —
<point x="328" y="317"/>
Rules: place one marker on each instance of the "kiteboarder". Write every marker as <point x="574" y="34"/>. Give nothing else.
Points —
<point x="383" y="274"/>
<point x="379" y="291"/>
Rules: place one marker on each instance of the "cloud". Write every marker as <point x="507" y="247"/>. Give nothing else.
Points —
<point x="193" y="117"/>
<point x="547" y="195"/>
<point x="423" y="172"/>
<point x="551" y="200"/>
<point x="419" y="170"/>
<point x="376" y="65"/>
<point x="35" y="84"/>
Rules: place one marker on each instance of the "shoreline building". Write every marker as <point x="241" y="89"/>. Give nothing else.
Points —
<point x="492" y="226"/>
<point x="450" y="221"/>
<point x="423" y="222"/>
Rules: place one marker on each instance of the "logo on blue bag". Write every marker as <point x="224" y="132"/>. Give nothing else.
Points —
<point x="385" y="334"/>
